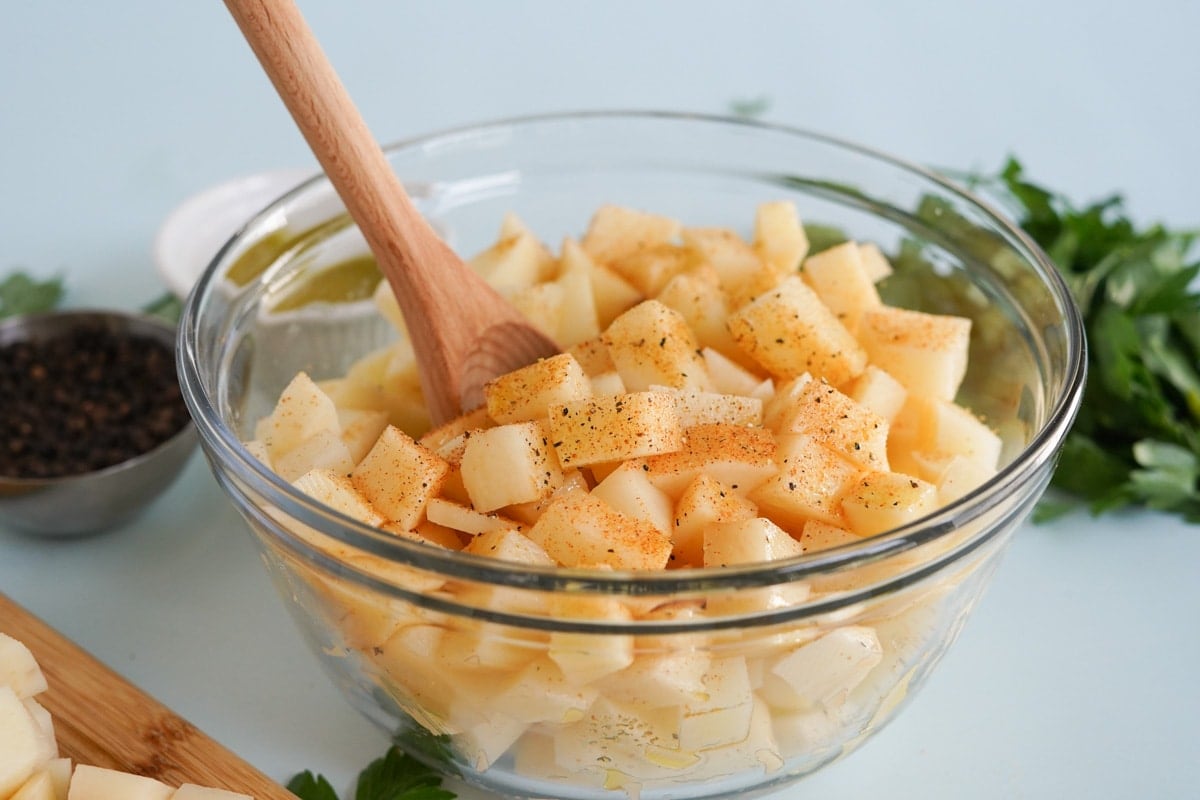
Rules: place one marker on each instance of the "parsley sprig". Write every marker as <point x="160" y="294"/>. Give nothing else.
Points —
<point x="1136" y="441"/>
<point x="394" y="776"/>
<point x="21" y="294"/>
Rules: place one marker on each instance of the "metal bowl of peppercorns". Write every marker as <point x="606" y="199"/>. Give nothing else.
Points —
<point x="92" y="424"/>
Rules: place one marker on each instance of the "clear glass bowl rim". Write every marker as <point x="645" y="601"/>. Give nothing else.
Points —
<point x="228" y="452"/>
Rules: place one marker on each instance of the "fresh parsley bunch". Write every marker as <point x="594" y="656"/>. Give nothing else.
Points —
<point x="1136" y="441"/>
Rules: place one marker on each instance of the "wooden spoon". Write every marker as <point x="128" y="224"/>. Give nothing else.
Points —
<point x="463" y="332"/>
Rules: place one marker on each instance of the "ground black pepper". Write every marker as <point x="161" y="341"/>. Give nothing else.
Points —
<point x="85" y="400"/>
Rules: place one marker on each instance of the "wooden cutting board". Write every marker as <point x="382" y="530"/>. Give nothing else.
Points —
<point x="103" y="720"/>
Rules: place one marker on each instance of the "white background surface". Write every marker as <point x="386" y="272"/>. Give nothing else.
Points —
<point x="1077" y="677"/>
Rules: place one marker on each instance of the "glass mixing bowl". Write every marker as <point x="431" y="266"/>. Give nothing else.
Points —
<point x="537" y="681"/>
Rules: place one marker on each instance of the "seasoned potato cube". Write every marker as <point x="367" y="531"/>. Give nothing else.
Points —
<point x="593" y="356"/>
<point x="615" y="231"/>
<point x="649" y="269"/>
<point x="742" y="273"/>
<point x="880" y="501"/>
<point x="738" y="456"/>
<point x="652" y="344"/>
<point x="528" y="513"/>
<point x="779" y="238"/>
<point x="838" y="277"/>
<point x="702" y="304"/>
<point x="514" y="262"/>
<point x="926" y="353"/>
<point x="705" y="408"/>
<point x="526" y="394"/>
<point x="628" y="489"/>
<point x="853" y="431"/>
<point x="399" y="477"/>
<point x="878" y="391"/>
<point x="510" y="464"/>
<point x="940" y="427"/>
<point x="612" y="294"/>
<point x="817" y="535"/>
<point x="607" y="429"/>
<point x="509" y="544"/>
<point x="579" y="530"/>
<point x="429" y="532"/>
<point x="783" y="399"/>
<point x="451" y="433"/>
<point x="809" y="483"/>
<point x="542" y="305"/>
<point x="608" y="384"/>
<point x="302" y="410"/>
<point x="335" y="490"/>
<point x="704" y="502"/>
<point x="789" y="331"/>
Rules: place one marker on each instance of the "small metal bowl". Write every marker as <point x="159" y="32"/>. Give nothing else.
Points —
<point x="93" y="501"/>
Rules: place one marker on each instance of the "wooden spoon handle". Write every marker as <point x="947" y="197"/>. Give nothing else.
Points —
<point x="450" y="310"/>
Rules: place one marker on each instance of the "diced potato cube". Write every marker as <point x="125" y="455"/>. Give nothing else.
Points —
<point x="360" y="429"/>
<point x="722" y="717"/>
<point x="580" y="320"/>
<point x="628" y="489"/>
<point x="789" y="331"/>
<point x="335" y="490"/>
<point x="612" y="294"/>
<point x="608" y="384"/>
<point x="779" y="238"/>
<point x="429" y="532"/>
<point x="399" y="476"/>
<point x="702" y="304"/>
<point x="509" y="544"/>
<point x="940" y="427"/>
<point x="853" y="431"/>
<point x="823" y="672"/>
<point x="587" y="657"/>
<point x="880" y="501"/>
<point x="40" y="786"/>
<point x="526" y="394"/>
<point x="708" y="408"/>
<point x="652" y="344"/>
<point x="302" y="411"/>
<point x="649" y="269"/>
<point x="190" y="791"/>
<point x="582" y="530"/>
<point x="926" y="353"/>
<point x="24" y="744"/>
<point x="100" y="783"/>
<point x="607" y="429"/>
<point x="19" y="670"/>
<point x="465" y="519"/>
<point x="632" y="743"/>
<point x="451" y="433"/>
<point x="705" y="502"/>
<point x="727" y="376"/>
<point x="783" y="399"/>
<point x="657" y="680"/>
<point x="616" y="231"/>
<point x="743" y="274"/>
<point x="738" y="456"/>
<point x="510" y="464"/>
<point x="878" y="391"/>
<point x="875" y="263"/>
<point x="542" y="305"/>
<point x="838" y="277"/>
<point x="747" y="541"/>
<point x="593" y="356"/>
<point x="528" y="513"/>
<point x="809" y="483"/>
<point x="325" y="449"/>
<point x="516" y="261"/>
<point x="817" y="535"/>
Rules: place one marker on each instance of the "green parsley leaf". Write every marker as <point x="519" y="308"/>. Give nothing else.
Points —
<point x="307" y="786"/>
<point x="21" y="294"/>
<point x="393" y="776"/>
<point x="1136" y="441"/>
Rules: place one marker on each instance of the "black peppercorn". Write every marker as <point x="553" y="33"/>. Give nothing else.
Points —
<point x="85" y="400"/>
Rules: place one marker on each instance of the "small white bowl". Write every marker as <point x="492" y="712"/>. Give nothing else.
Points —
<point x="192" y="234"/>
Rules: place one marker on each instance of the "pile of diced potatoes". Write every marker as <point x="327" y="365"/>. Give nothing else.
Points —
<point x="30" y="765"/>
<point x="719" y="400"/>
